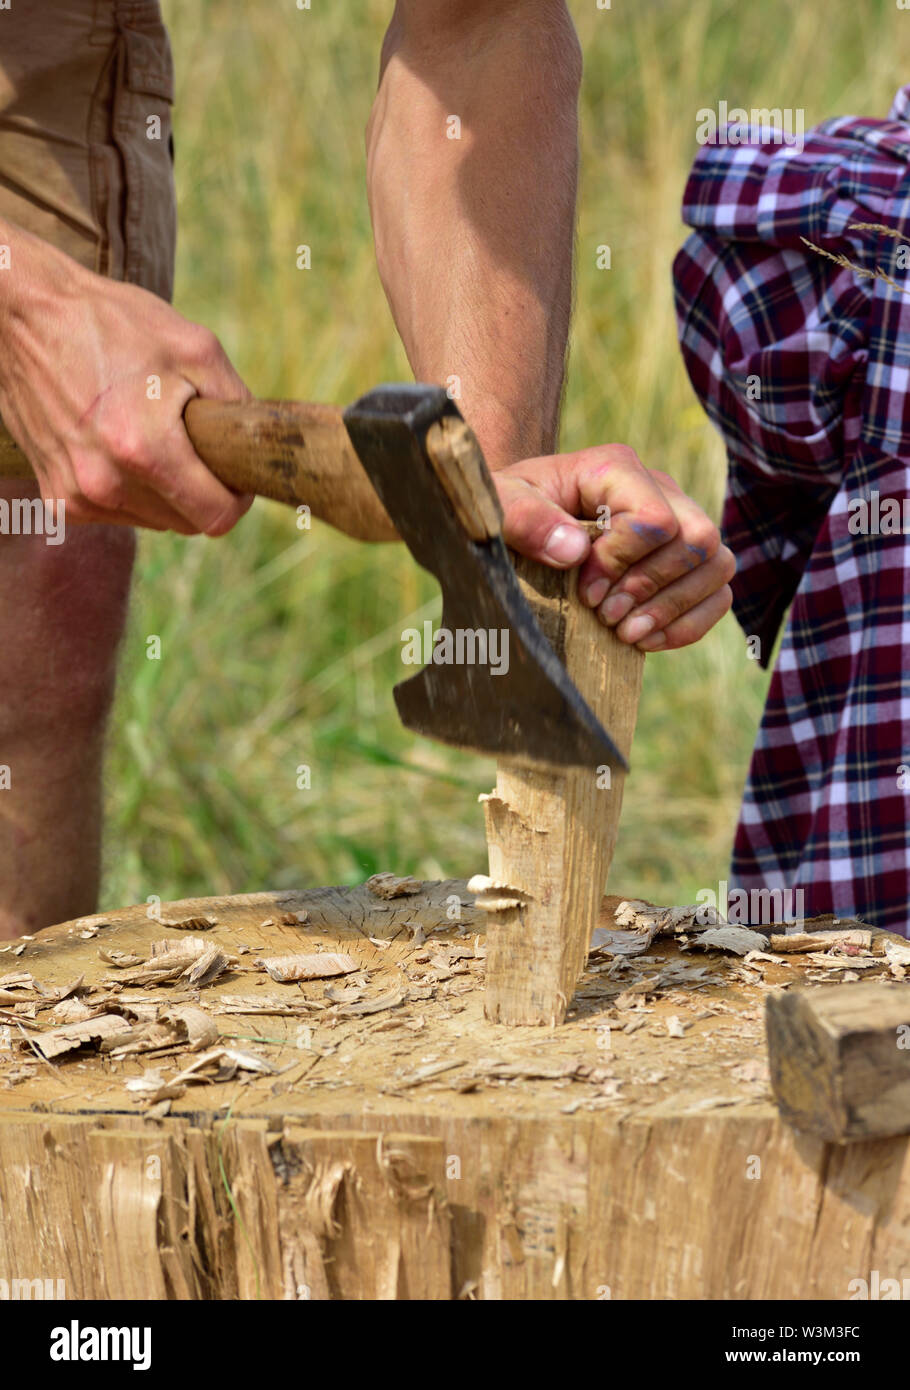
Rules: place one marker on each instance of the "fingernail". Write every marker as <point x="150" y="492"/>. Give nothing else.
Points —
<point x="566" y="545"/>
<point x="616" y="608"/>
<point x="653" y="643"/>
<point x="595" y="593"/>
<point x="639" y="628"/>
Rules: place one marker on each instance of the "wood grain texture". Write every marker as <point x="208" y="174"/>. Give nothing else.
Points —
<point x="551" y="835"/>
<point x="459" y="464"/>
<point x="291" y="451"/>
<point x="840" y="1059"/>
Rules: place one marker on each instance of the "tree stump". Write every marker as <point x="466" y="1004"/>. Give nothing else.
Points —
<point x="369" y="1134"/>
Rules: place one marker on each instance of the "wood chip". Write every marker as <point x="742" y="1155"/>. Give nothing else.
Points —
<point x="388" y="885"/>
<point x="153" y="1087"/>
<point x="796" y="942"/>
<point x="317" y="966"/>
<point x="619" y="943"/>
<point x="426" y="1073"/>
<point x="19" y="979"/>
<point x="830" y="960"/>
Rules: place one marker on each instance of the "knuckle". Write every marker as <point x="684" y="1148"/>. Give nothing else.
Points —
<point x="727" y="564"/>
<point x="98" y="484"/>
<point x="703" y="537"/>
<point x="597" y="457"/>
<point x="641" y="585"/>
<point x="657" y="519"/>
<point x="123" y="442"/>
<point x="204" y="346"/>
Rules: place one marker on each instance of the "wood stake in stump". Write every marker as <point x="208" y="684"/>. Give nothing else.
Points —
<point x="551" y="834"/>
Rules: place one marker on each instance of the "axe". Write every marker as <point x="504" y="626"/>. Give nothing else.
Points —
<point x="402" y="462"/>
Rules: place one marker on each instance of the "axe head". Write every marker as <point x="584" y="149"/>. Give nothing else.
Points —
<point x="493" y="682"/>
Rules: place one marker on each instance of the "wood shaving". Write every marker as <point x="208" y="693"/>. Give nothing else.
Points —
<point x="897" y="954"/>
<point x="665" y="921"/>
<point x="189" y="923"/>
<point x="426" y="1073"/>
<point x="739" y="940"/>
<point x="121" y="960"/>
<point x="490" y="896"/>
<point x="830" y="960"/>
<point x="242" y="1004"/>
<point x="199" y="963"/>
<point x="372" y="1006"/>
<point x="318" y="966"/>
<point x="71" y="1036"/>
<point x="751" y="956"/>
<point x="344" y="994"/>
<point x="619" y="943"/>
<point x="244" y="1061"/>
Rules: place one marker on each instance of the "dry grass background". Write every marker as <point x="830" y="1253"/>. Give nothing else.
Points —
<point x="280" y="647"/>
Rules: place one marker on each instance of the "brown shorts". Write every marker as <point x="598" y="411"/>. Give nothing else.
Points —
<point x="86" y="156"/>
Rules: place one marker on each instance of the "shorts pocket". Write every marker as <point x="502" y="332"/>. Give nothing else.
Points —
<point x="141" y="129"/>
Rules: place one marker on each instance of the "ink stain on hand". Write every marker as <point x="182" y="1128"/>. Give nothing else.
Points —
<point x="656" y="534"/>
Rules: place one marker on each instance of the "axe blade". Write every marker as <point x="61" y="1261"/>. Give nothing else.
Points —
<point x="518" y="702"/>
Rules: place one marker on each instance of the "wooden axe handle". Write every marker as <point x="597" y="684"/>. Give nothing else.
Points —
<point x="292" y="451"/>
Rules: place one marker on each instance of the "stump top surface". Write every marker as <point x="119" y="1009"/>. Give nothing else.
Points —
<point x="670" y="1032"/>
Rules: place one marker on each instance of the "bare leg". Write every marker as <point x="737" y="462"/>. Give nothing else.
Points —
<point x="62" y="612"/>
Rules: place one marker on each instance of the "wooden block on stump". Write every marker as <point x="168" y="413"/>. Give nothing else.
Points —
<point x="551" y="834"/>
<point x="839" y="1059"/>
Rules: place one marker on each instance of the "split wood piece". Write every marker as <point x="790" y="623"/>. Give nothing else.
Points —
<point x="551" y="835"/>
<point x="839" y="1059"/>
<point x="459" y="465"/>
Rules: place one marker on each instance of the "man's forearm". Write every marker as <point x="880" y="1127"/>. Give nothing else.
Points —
<point x="472" y="170"/>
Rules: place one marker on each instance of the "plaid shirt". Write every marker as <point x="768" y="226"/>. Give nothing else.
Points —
<point x="804" y="366"/>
